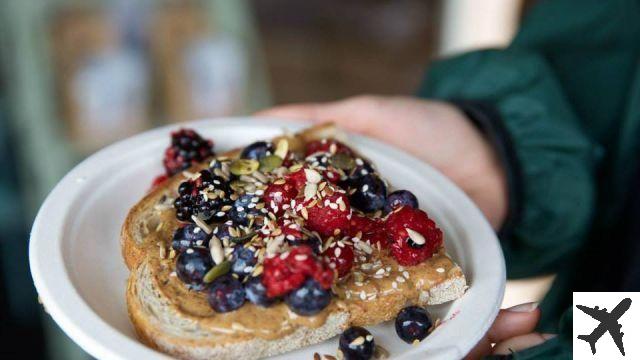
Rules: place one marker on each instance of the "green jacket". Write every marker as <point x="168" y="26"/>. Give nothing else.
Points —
<point x="567" y="91"/>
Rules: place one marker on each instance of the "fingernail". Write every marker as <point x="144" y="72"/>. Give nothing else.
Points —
<point x="548" y="336"/>
<point x="524" y="308"/>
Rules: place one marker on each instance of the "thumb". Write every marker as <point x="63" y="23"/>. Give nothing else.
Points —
<point x="354" y="114"/>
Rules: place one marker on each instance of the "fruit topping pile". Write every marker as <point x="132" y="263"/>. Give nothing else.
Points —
<point x="280" y="224"/>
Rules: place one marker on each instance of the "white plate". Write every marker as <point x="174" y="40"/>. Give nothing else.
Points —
<point x="80" y="275"/>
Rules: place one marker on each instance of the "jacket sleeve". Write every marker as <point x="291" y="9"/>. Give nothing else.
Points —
<point x="551" y="172"/>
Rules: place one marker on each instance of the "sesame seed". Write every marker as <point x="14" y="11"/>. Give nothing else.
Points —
<point x="440" y="270"/>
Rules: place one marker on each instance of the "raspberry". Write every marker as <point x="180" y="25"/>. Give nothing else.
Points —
<point x="340" y="258"/>
<point x="331" y="175"/>
<point x="158" y="180"/>
<point x="297" y="179"/>
<point x="187" y="148"/>
<point x="372" y="230"/>
<point x="277" y="195"/>
<point x="406" y="251"/>
<point x="327" y="145"/>
<point x="281" y="276"/>
<point x="328" y="215"/>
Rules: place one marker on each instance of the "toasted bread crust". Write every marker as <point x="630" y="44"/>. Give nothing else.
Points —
<point x="159" y="327"/>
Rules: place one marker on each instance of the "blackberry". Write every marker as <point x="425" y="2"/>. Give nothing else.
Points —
<point x="192" y="201"/>
<point x="187" y="147"/>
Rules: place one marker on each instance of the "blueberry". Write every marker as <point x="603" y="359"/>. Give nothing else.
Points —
<point x="361" y="169"/>
<point x="189" y="236"/>
<point x="256" y="292"/>
<point x="257" y="150"/>
<point x="308" y="299"/>
<point x="222" y="230"/>
<point x="243" y="261"/>
<point x="370" y="194"/>
<point x="400" y="198"/>
<point x="356" y="343"/>
<point x="312" y="241"/>
<point x="243" y="209"/>
<point x="413" y="324"/>
<point x="192" y="265"/>
<point x="226" y="294"/>
<point x="318" y="160"/>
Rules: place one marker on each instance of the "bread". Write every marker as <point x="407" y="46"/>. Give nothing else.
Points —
<point x="169" y="317"/>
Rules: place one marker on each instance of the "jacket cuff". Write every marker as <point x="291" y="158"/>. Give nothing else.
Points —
<point x="487" y="119"/>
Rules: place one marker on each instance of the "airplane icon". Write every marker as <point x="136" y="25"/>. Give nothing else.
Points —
<point x="608" y="322"/>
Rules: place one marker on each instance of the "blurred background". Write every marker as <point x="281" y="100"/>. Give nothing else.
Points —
<point x="78" y="75"/>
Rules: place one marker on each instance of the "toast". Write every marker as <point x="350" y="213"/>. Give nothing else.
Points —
<point x="178" y="320"/>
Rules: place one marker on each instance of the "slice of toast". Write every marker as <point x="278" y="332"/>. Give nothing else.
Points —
<point x="170" y="317"/>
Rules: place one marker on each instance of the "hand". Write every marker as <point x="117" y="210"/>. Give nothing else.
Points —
<point x="511" y="331"/>
<point x="433" y="131"/>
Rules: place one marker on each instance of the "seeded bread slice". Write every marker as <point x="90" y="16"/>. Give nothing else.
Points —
<point x="160" y="321"/>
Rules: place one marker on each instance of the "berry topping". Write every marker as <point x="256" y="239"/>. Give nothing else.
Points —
<point x="308" y="299"/>
<point x="370" y="194"/>
<point x="257" y="150"/>
<point x="226" y="294"/>
<point x="243" y="261"/>
<point x="278" y="194"/>
<point x="187" y="148"/>
<point x="362" y="168"/>
<point x="159" y="180"/>
<point x="297" y="178"/>
<point x="330" y="146"/>
<point x="288" y="271"/>
<point x="189" y="236"/>
<point x="413" y="324"/>
<point x="368" y="229"/>
<point x="400" y="198"/>
<point x="356" y="343"/>
<point x="256" y="292"/>
<point x="340" y="258"/>
<point x="244" y="209"/>
<point x="295" y="235"/>
<point x="222" y="230"/>
<point x="203" y="197"/>
<point x="192" y="265"/>
<point x="413" y="237"/>
<point x="329" y="216"/>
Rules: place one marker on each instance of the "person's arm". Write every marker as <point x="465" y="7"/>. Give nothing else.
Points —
<point x="513" y="97"/>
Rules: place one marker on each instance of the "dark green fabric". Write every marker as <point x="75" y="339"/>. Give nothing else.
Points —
<point x="568" y="92"/>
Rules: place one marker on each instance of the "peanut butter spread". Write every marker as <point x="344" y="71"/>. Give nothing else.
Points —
<point x="374" y="292"/>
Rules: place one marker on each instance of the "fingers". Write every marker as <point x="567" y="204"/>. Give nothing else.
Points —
<point x="515" y="321"/>
<point x="518" y="320"/>
<point x="519" y="343"/>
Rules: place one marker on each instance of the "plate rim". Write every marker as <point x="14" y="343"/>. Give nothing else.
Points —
<point x="46" y="257"/>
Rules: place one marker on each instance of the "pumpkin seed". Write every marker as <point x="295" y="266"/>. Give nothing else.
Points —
<point x="282" y="148"/>
<point x="342" y="161"/>
<point x="270" y="162"/>
<point x="217" y="271"/>
<point x="244" y="166"/>
<point x="243" y="238"/>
